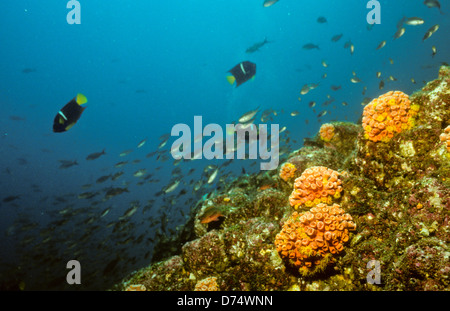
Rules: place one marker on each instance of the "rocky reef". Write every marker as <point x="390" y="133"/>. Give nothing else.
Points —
<point x="395" y="185"/>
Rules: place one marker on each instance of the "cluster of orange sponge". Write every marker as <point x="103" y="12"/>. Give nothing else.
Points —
<point x="387" y="115"/>
<point x="317" y="184"/>
<point x="309" y="240"/>
<point x="287" y="171"/>
<point x="136" y="288"/>
<point x="445" y="137"/>
<point x="207" y="284"/>
<point x="326" y="132"/>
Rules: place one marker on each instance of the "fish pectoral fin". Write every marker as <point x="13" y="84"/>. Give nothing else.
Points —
<point x="81" y="99"/>
<point x="61" y="120"/>
<point x="231" y="79"/>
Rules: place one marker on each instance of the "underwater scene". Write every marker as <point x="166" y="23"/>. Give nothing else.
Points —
<point x="226" y="145"/>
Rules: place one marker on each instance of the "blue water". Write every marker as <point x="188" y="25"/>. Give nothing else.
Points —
<point x="144" y="67"/>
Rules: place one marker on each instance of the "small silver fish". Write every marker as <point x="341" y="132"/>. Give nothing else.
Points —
<point x="142" y="143"/>
<point x="400" y="32"/>
<point x="430" y="31"/>
<point x="268" y="3"/>
<point x="213" y="176"/>
<point x="414" y="21"/>
<point x="381" y="45"/>
<point x="434" y="50"/>
<point x="172" y="187"/>
<point x="322" y="113"/>
<point x="248" y="116"/>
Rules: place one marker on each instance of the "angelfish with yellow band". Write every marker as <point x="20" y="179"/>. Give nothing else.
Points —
<point x="69" y="114"/>
<point x="242" y="72"/>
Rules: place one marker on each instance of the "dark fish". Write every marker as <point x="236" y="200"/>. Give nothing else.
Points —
<point x="117" y="175"/>
<point x="433" y="4"/>
<point x="16" y="118"/>
<point x="268" y="3"/>
<point x="381" y="85"/>
<point x="336" y="38"/>
<point x="255" y="47"/>
<point x="151" y="154"/>
<point x="111" y="266"/>
<point x="115" y="191"/>
<point x="69" y="114"/>
<point x="120" y="164"/>
<point x="327" y="102"/>
<point x="242" y="72"/>
<point x="28" y="70"/>
<point x="95" y="155"/>
<point x="10" y="198"/>
<point x="310" y="46"/>
<point x="103" y="179"/>
<point x="401" y="22"/>
<point x="335" y="87"/>
<point x="321" y="20"/>
<point x="87" y="195"/>
<point x="67" y="164"/>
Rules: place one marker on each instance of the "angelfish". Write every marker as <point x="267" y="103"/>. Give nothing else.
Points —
<point x="69" y="114"/>
<point x="241" y="73"/>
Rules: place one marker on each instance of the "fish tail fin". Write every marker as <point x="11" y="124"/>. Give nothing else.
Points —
<point x="231" y="79"/>
<point x="81" y="99"/>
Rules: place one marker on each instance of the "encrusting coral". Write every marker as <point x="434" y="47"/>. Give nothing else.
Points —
<point x="387" y="115"/>
<point x="317" y="184"/>
<point x="207" y="284"/>
<point x="326" y="132"/>
<point x="287" y="171"/>
<point x="445" y="137"/>
<point x="136" y="288"/>
<point x="309" y="240"/>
